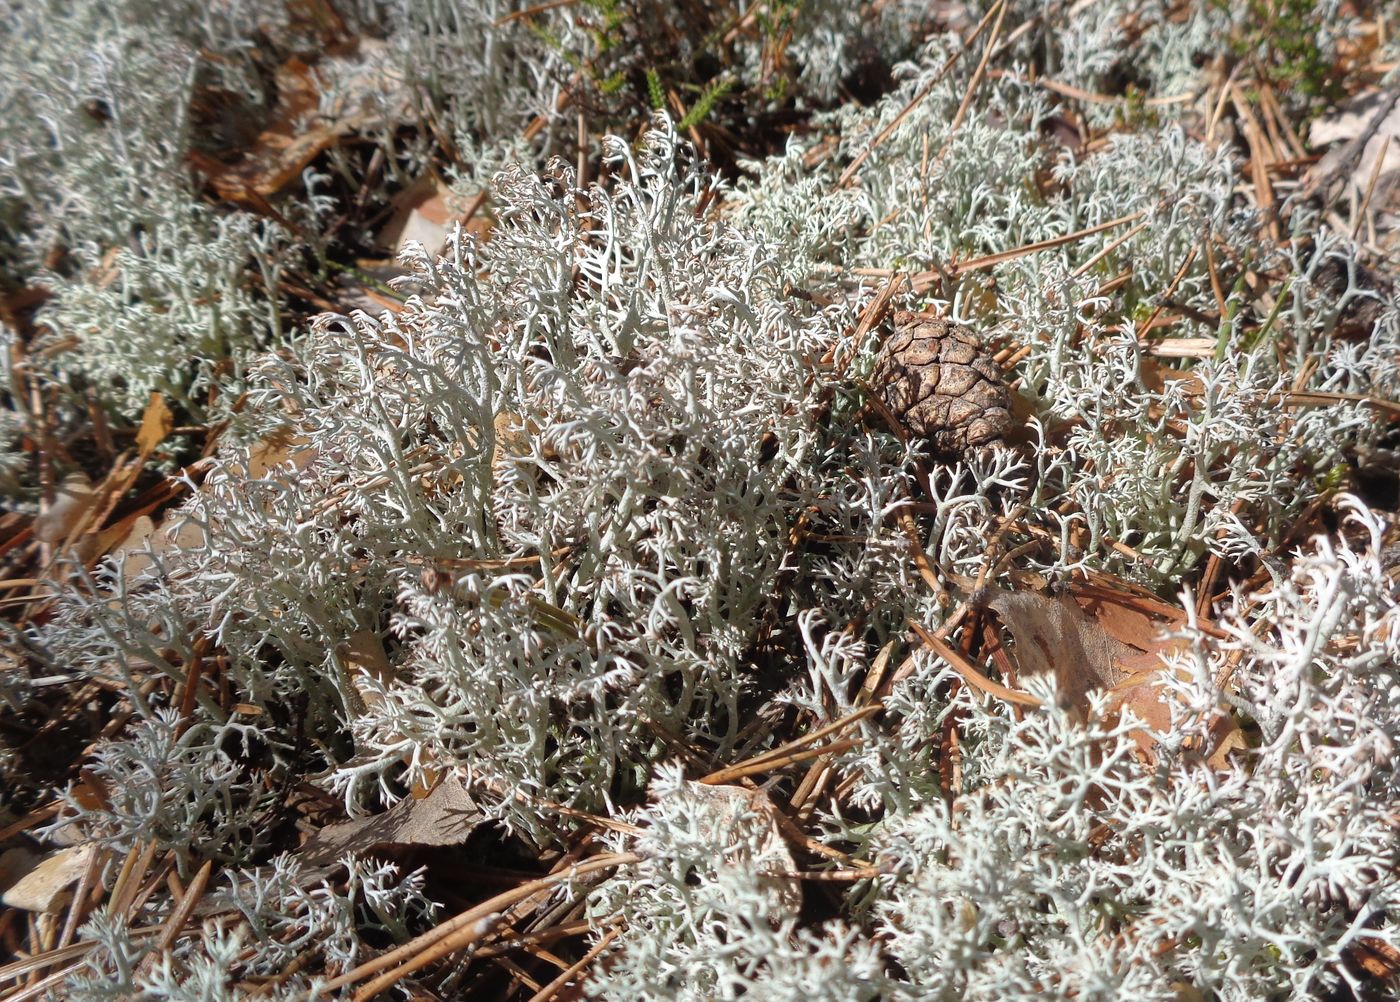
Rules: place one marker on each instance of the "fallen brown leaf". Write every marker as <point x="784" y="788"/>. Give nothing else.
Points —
<point x="1133" y="620"/>
<point x="295" y="134"/>
<point x="1097" y="639"/>
<point x="425" y="212"/>
<point x="44" y="886"/>
<point x="145" y="539"/>
<point x="446" y="816"/>
<point x="1053" y="636"/>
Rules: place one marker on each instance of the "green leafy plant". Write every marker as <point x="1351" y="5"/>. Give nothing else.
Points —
<point x="1282" y="42"/>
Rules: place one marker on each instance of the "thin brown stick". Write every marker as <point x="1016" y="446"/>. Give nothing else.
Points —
<point x="154" y="882"/>
<point x="39" y="987"/>
<point x="972" y="85"/>
<point x="1291" y="140"/>
<point x="779" y="762"/>
<point x="31" y="819"/>
<point x="133" y="870"/>
<point x="185" y="907"/>
<point x="1146" y="328"/>
<point x="870" y="316"/>
<point x="1219" y="110"/>
<point x="525" y="939"/>
<point x="518" y="974"/>
<point x="1108" y="249"/>
<point x="82" y="897"/>
<point x="724" y="775"/>
<point x="834" y="876"/>
<point x="194" y="668"/>
<point x="1090" y="97"/>
<point x="804" y="798"/>
<point x="1216" y="288"/>
<point x="919" y="556"/>
<point x="850" y="172"/>
<point x="797" y="837"/>
<point x="532" y="10"/>
<point x="466" y="927"/>
<point x="21" y="968"/>
<point x="1318" y="398"/>
<point x="968" y="671"/>
<point x="1370" y="189"/>
<point x="1260" y="156"/>
<point x="820" y="773"/>
<point x="921" y="281"/>
<point x="552" y="989"/>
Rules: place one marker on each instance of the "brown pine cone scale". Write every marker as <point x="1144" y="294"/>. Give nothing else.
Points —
<point x="940" y="382"/>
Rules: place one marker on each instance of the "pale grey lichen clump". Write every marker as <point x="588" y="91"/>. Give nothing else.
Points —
<point x="149" y="290"/>
<point x="104" y="109"/>
<point x="287" y="911"/>
<point x="1245" y="884"/>
<point x="591" y="389"/>
<point x="600" y="501"/>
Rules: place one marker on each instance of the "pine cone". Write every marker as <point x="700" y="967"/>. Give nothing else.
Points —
<point x="937" y="379"/>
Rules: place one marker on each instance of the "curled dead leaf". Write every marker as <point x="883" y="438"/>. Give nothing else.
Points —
<point x="1053" y="636"/>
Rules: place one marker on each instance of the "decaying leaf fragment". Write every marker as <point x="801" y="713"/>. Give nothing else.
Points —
<point x="446" y="816"/>
<point x="156" y="425"/>
<point x="44" y="885"/>
<point x="71" y="502"/>
<point x="368" y="94"/>
<point x="1089" y="641"/>
<point x="1054" y="637"/>
<point x="750" y="821"/>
